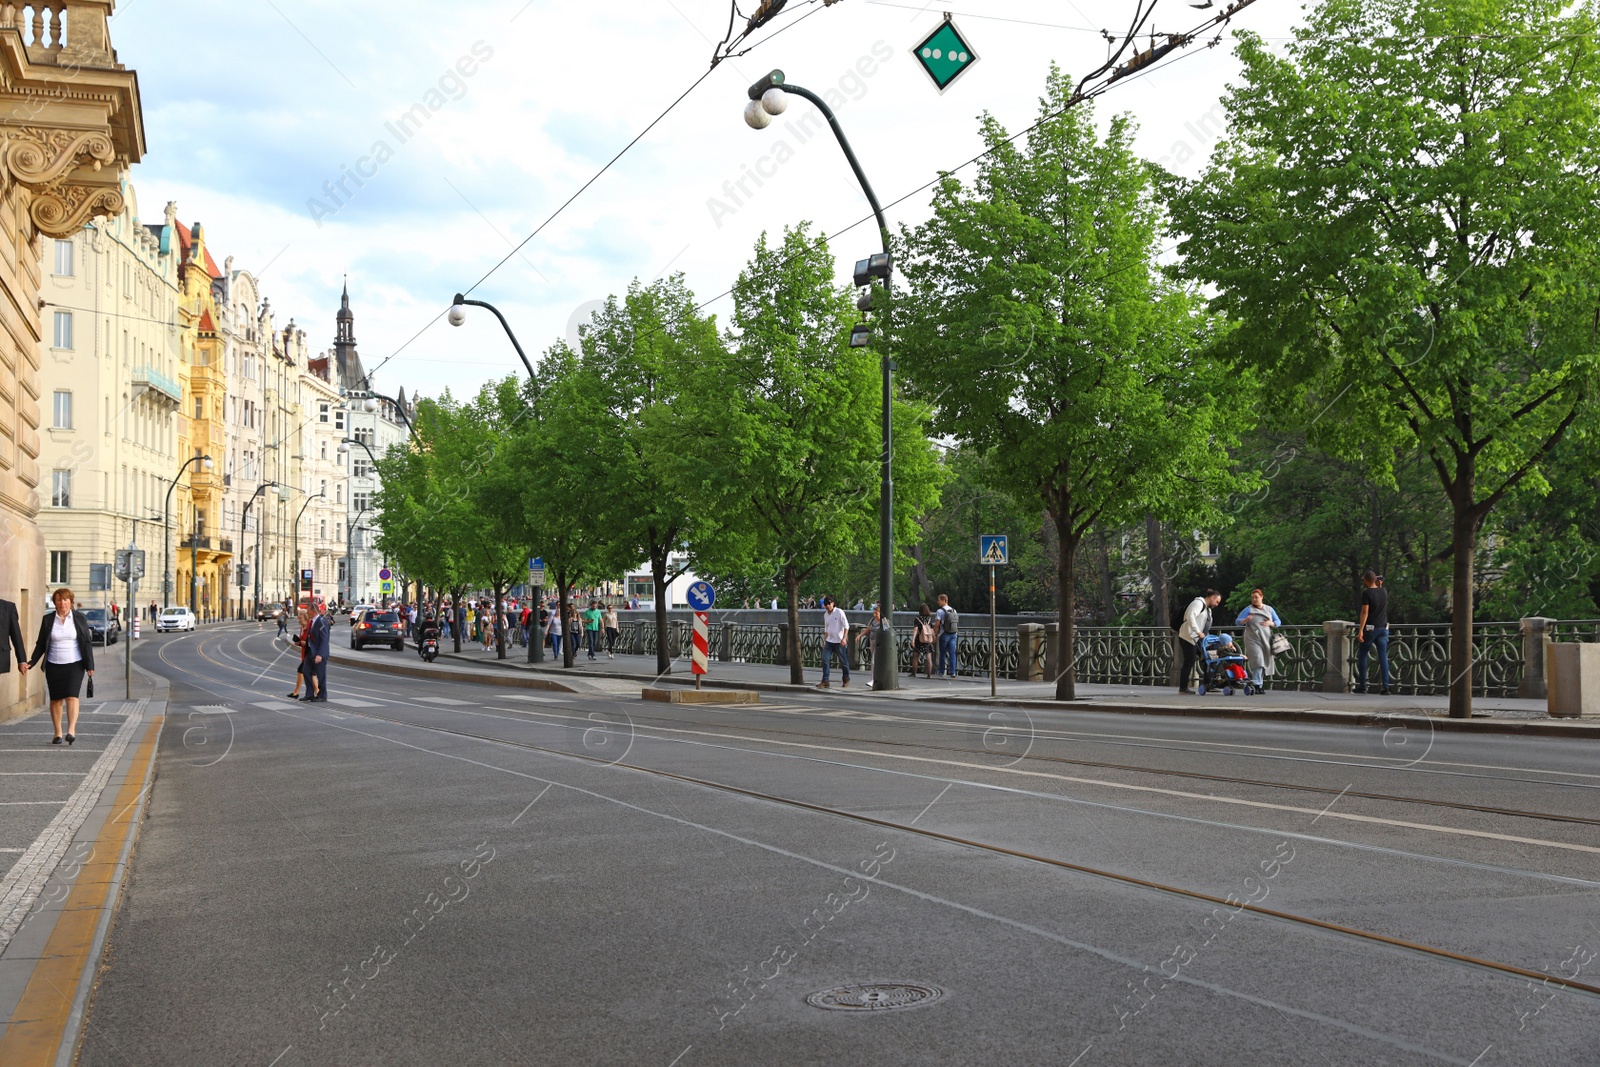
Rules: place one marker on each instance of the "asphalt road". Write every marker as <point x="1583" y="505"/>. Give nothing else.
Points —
<point x="426" y="873"/>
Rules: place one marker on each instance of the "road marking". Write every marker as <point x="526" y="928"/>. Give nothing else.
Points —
<point x="19" y="774"/>
<point x="271" y="705"/>
<point x="538" y="700"/>
<point x="353" y="702"/>
<point x="14" y="803"/>
<point x="50" y="1000"/>
<point x="444" y="700"/>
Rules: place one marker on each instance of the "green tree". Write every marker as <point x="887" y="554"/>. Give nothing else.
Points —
<point x="1403" y="223"/>
<point x="616" y="406"/>
<point x="1038" y="324"/>
<point x="789" y="425"/>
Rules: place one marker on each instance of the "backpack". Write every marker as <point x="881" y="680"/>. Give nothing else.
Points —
<point x="923" y="634"/>
<point x="951" y="619"/>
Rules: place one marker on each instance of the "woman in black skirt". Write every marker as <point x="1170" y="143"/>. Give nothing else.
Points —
<point x="67" y="649"/>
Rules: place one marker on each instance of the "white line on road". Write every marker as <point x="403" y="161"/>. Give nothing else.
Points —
<point x="929" y="808"/>
<point x="531" y="803"/>
<point x="445" y="700"/>
<point x="352" y="702"/>
<point x="17" y="803"/>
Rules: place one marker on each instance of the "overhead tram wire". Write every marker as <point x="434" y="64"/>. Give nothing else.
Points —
<point x="1137" y="67"/>
<point x="716" y="60"/>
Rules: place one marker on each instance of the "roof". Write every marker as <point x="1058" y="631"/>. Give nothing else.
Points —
<point x="184" y="239"/>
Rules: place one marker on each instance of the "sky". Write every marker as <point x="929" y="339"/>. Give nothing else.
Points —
<point x="411" y="146"/>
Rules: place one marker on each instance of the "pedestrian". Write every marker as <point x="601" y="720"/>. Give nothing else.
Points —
<point x="283" y="622"/>
<point x="923" y="641"/>
<point x="319" y="641"/>
<point x="874" y="641"/>
<point x="613" y="628"/>
<point x="1192" y="635"/>
<point x="301" y="673"/>
<point x="526" y="621"/>
<point x="835" y="629"/>
<point x="11" y="638"/>
<point x="1259" y="620"/>
<point x="553" y="631"/>
<point x="949" y="634"/>
<point x="591" y="627"/>
<point x="1372" y="628"/>
<point x="67" y="648"/>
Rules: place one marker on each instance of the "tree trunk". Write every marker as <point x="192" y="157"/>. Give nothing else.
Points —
<point x="1464" y="525"/>
<point x="1108" y="592"/>
<point x="1160" y="607"/>
<point x="791" y="585"/>
<point x="566" y="622"/>
<point x="1066" y="681"/>
<point x="919" y="575"/>
<point x="499" y="631"/>
<point x="658" y="572"/>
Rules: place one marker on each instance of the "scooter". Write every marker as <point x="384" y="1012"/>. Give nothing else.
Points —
<point x="428" y="646"/>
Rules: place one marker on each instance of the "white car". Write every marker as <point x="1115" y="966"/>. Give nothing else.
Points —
<point x="175" y="619"/>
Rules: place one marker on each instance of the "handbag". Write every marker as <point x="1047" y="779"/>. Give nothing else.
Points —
<point x="91" y="687"/>
<point x="1280" y="644"/>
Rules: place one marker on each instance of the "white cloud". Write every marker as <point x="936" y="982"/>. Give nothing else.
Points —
<point x="248" y="112"/>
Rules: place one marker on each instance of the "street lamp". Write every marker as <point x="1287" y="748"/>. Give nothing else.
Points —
<point x="350" y="556"/>
<point x="369" y="403"/>
<point x="313" y="496"/>
<point x="244" y="525"/>
<point x="458" y="317"/>
<point x="767" y="98"/>
<point x="166" y="525"/>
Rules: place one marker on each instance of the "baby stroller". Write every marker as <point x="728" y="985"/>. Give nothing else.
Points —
<point x="1226" y="668"/>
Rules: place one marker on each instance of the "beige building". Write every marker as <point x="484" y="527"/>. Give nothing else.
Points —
<point x="321" y="529"/>
<point x="70" y="126"/>
<point x="109" y="378"/>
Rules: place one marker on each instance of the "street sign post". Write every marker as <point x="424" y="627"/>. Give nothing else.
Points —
<point x="994" y="550"/>
<point x="701" y="597"/>
<point x="129" y="567"/>
<point x="944" y="55"/>
<point x="308" y="578"/>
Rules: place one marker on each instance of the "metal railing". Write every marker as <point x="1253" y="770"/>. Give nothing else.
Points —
<point x="1419" y="653"/>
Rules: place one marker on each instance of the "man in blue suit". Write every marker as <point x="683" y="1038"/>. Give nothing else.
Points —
<point x="318" y="640"/>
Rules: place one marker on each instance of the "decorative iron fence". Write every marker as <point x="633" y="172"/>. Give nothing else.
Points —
<point x="1419" y="654"/>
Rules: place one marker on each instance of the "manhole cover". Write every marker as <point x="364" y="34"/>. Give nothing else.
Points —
<point x="875" y="996"/>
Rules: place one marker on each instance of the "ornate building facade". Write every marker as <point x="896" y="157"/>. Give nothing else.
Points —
<point x="70" y="126"/>
<point x="109" y="376"/>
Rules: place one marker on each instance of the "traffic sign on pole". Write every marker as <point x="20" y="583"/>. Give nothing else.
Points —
<point x="700" y="661"/>
<point x="385" y="574"/>
<point x="993" y="550"/>
<point x="702" y="596"/>
<point x="944" y="54"/>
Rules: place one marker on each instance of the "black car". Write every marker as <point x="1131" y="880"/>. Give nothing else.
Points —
<point x="380" y="626"/>
<point x="102" y="628"/>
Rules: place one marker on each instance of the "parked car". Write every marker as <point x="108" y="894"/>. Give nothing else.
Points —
<point x="179" y="618"/>
<point x="268" y="612"/>
<point x="102" y="628"/>
<point x="380" y="626"/>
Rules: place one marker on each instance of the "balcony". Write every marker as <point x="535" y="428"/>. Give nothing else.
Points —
<point x="225" y="545"/>
<point x="199" y="542"/>
<point x="157" y="385"/>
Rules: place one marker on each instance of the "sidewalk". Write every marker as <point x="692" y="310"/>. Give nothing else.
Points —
<point x="627" y="672"/>
<point x="69" y="816"/>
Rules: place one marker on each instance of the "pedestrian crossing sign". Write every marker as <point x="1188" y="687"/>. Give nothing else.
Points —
<point x="993" y="550"/>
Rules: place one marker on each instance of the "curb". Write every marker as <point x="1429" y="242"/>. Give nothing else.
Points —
<point x="1526" y="727"/>
<point x="434" y="674"/>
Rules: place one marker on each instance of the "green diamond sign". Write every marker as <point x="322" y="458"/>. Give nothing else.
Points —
<point x="945" y="54"/>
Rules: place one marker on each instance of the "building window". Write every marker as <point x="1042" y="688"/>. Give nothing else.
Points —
<point x="322" y="529"/>
<point x="338" y="420"/>
<point x="323" y="449"/>
<point x="322" y="489"/>
<point x="63" y="410"/>
<point x="361" y="468"/>
<point x="61" y="489"/>
<point x="64" y="259"/>
<point x="323" y="411"/>
<point x="338" y="492"/>
<point x="63" y="335"/>
<point x="360" y="501"/>
<point x="364" y="435"/>
<point x="61" y="568"/>
<point x="199" y="408"/>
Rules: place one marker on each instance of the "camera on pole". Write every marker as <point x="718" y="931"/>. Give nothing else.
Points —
<point x="869" y="273"/>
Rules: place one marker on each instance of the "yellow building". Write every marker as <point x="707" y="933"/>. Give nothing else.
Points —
<point x="70" y="126"/>
<point x="204" y="567"/>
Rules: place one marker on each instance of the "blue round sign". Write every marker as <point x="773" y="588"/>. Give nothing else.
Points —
<point x="702" y="596"/>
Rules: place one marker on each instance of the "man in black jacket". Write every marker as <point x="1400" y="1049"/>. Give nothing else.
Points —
<point x="11" y="638"/>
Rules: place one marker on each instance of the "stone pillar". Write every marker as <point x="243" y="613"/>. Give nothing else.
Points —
<point x="1573" y="671"/>
<point x="725" y="645"/>
<point x="782" y="659"/>
<point x="1030" y="649"/>
<point x="1535" y="630"/>
<point x="1052" y="651"/>
<point x="1336" y="670"/>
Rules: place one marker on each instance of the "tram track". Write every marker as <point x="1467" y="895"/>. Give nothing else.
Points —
<point x="1484" y="809"/>
<point x="1368" y="936"/>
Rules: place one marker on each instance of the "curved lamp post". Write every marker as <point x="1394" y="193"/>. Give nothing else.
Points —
<point x="166" y="526"/>
<point x="767" y="99"/>
<point x="244" y="524"/>
<point x="458" y="317"/>
<point x="295" y="584"/>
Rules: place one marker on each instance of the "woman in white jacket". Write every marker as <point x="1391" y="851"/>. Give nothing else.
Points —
<point x="1259" y="620"/>
<point x="1192" y="635"/>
